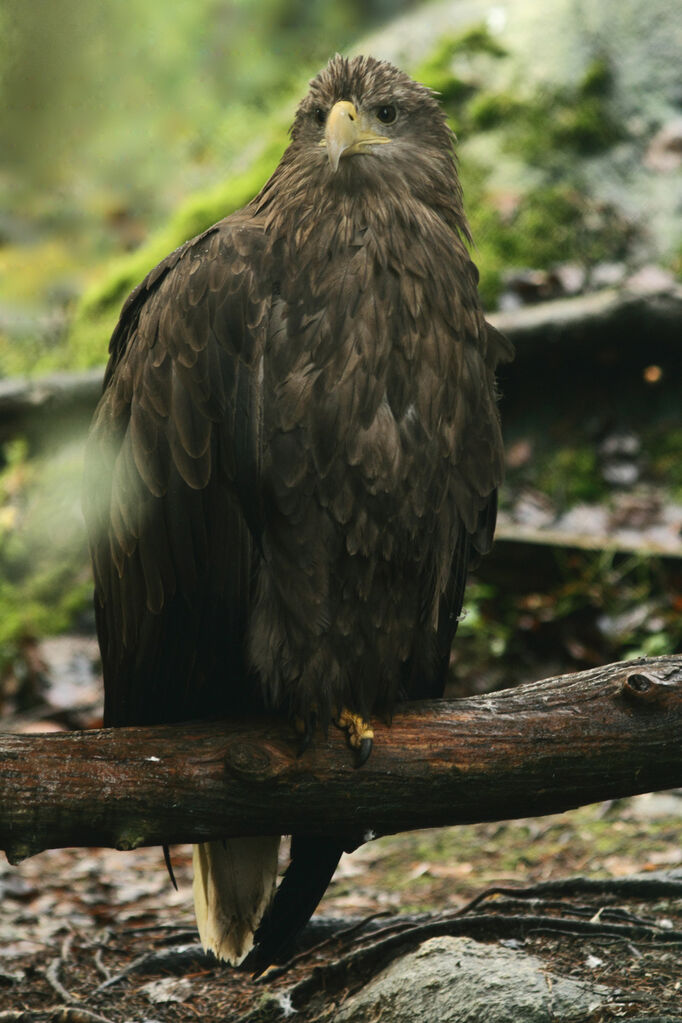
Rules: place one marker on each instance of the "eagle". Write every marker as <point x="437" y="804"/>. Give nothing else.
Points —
<point x="294" y="461"/>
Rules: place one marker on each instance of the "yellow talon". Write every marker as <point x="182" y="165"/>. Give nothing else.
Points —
<point x="360" y="734"/>
<point x="355" y="726"/>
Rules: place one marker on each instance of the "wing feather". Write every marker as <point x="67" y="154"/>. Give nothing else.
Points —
<point x="173" y="457"/>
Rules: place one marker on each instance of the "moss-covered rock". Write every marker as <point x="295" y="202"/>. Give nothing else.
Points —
<point x="553" y="115"/>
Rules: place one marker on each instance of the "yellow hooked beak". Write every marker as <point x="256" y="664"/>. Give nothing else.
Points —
<point x="347" y="132"/>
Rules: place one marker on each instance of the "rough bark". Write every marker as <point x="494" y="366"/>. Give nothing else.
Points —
<point x="540" y="748"/>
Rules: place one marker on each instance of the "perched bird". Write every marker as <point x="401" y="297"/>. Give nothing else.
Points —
<point x="295" y="456"/>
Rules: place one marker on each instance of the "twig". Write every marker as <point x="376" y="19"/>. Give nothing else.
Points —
<point x="615" y="913"/>
<point x="633" y="887"/>
<point x="56" y="1013"/>
<point x="170" y="959"/>
<point x="51" y="975"/>
<point x="76" y="1014"/>
<point x="65" y="951"/>
<point x="397" y="925"/>
<point x="102" y="969"/>
<point x="275" y="972"/>
<point x="158" y="927"/>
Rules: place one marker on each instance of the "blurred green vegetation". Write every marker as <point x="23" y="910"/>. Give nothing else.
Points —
<point x="544" y="223"/>
<point x="147" y="89"/>
<point x="45" y="581"/>
<point x="112" y="115"/>
<point x="665" y="467"/>
<point x="589" y="608"/>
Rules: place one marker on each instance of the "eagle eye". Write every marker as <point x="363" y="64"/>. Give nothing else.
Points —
<point x="320" y="115"/>
<point x="387" y="113"/>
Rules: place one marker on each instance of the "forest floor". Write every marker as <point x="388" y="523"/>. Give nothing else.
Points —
<point x="75" y="921"/>
<point x="90" y="935"/>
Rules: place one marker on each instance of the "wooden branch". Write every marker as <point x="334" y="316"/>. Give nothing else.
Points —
<point x="540" y="748"/>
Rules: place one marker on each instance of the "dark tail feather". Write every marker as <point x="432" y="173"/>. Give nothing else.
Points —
<point x="313" y="862"/>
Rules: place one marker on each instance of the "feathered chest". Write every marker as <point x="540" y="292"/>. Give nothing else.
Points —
<point x="366" y="353"/>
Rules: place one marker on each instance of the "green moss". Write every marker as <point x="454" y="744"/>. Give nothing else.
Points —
<point x="597" y="79"/>
<point x="542" y="125"/>
<point x="492" y="109"/>
<point x="544" y="225"/>
<point x="475" y="40"/>
<point x="578" y="120"/>
<point x="675" y="262"/>
<point x="98" y="310"/>
<point x="452" y="90"/>
<point x="586" y="127"/>
<point x="441" y="70"/>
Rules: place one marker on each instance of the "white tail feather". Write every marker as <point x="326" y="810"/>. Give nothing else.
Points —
<point x="233" y="883"/>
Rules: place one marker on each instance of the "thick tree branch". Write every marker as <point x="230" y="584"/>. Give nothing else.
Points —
<point x="540" y="748"/>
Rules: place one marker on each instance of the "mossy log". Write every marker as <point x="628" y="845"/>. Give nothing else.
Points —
<point x="540" y="748"/>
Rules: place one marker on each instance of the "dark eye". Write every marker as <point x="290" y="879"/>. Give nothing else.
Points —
<point x="387" y="114"/>
<point x="320" y="115"/>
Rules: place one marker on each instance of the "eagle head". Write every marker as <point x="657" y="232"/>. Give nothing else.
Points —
<point x="365" y="121"/>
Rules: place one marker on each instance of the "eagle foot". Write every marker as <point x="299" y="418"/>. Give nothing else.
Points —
<point x="360" y="735"/>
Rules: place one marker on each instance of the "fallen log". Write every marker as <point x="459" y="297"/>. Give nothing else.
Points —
<point x="540" y="748"/>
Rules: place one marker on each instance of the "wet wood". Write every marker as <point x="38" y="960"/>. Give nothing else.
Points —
<point x="540" y="748"/>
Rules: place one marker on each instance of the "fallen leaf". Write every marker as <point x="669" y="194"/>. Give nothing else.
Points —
<point x="170" y="989"/>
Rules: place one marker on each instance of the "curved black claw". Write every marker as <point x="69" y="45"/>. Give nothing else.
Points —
<point x="306" y="730"/>
<point x="363" y="751"/>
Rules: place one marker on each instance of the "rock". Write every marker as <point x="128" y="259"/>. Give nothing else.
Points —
<point x="651" y="280"/>
<point x="607" y="275"/>
<point x="457" y="980"/>
<point x="665" y="149"/>
<point x="534" y="509"/>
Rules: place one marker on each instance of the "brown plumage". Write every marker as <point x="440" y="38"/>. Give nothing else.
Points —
<point x="296" y="453"/>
